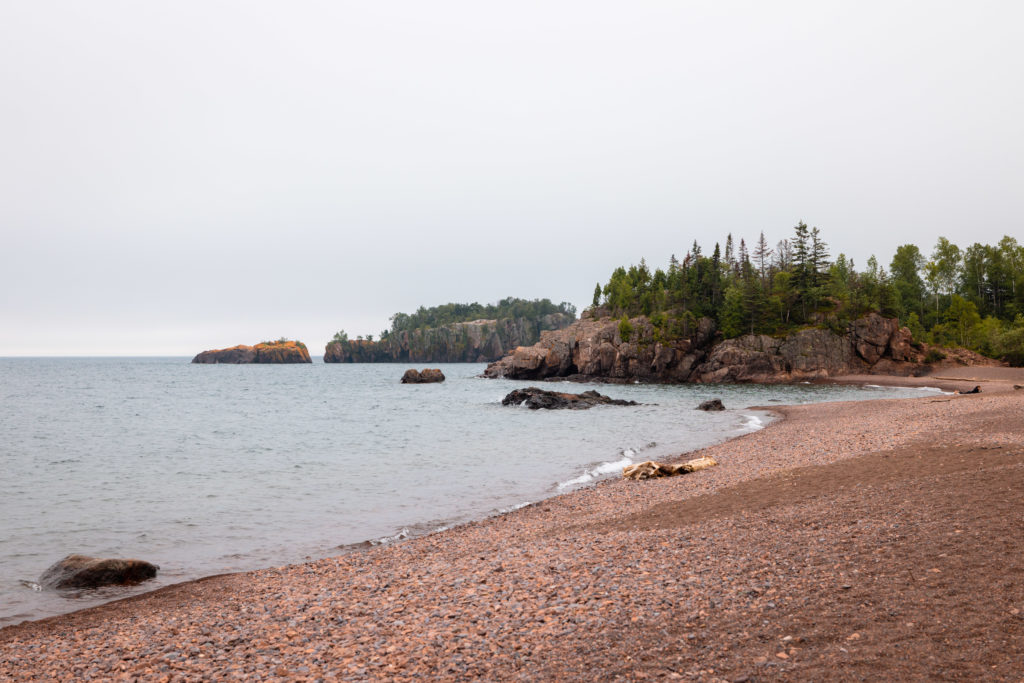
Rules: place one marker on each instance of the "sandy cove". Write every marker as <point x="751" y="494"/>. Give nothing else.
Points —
<point x="876" y="539"/>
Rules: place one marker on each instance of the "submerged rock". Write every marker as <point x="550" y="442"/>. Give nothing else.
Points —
<point x="535" y="398"/>
<point x="425" y="376"/>
<point x="82" y="571"/>
<point x="713" y="404"/>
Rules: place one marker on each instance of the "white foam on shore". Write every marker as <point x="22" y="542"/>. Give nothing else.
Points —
<point x="753" y="423"/>
<point x="513" y="508"/>
<point x="385" y="540"/>
<point x="600" y="470"/>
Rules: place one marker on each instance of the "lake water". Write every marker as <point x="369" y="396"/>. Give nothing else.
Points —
<point x="205" y="469"/>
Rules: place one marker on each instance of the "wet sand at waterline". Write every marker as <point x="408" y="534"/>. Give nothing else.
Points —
<point x="876" y="539"/>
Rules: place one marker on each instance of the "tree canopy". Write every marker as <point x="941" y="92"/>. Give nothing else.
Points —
<point x="446" y="314"/>
<point x="971" y="297"/>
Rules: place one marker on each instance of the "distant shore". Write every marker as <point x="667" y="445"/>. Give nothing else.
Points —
<point x="876" y="538"/>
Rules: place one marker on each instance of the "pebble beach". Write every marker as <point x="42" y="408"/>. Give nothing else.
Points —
<point x="876" y="539"/>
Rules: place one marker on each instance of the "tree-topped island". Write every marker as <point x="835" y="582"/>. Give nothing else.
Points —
<point x="455" y="333"/>
<point x="280" y="351"/>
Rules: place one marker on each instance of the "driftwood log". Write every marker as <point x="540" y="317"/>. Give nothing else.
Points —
<point x="651" y="469"/>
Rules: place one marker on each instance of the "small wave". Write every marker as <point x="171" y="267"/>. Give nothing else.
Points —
<point x="502" y="511"/>
<point x="935" y="390"/>
<point x="31" y="584"/>
<point x="600" y="470"/>
<point x="385" y="540"/>
<point x="753" y="423"/>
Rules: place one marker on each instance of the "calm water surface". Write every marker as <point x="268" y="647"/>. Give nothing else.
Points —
<point x="205" y="469"/>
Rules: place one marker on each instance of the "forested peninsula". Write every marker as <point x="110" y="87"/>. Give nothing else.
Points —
<point x="454" y="333"/>
<point x="789" y="311"/>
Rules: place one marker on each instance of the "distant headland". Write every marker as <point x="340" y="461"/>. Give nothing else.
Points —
<point x="455" y="333"/>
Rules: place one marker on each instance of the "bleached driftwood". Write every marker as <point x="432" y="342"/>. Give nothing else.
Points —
<point x="650" y="469"/>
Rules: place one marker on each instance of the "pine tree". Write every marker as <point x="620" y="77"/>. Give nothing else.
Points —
<point x="763" y="254"/>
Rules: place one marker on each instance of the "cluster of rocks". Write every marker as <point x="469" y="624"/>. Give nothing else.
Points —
<point x="535" y="399"/>
<point x="265" y="352"/>
<point x="425" y="376"/>
<point x="591" y="349"/>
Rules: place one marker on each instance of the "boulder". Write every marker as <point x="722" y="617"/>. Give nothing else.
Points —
<point x="714" y="404"/>
<point x="651" y="469"/>
<point x="426" y="376"/>
<point x="534" y="399"/>
<point x="82" y="571"/>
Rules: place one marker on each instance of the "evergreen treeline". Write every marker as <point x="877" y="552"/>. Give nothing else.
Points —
<point x="971" y="297"/>
<point x="438" y="316"/>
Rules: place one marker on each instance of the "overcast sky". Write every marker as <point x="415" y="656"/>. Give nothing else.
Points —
<point x="178" y="176"/>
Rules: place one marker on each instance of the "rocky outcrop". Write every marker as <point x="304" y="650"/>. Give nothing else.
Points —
<point x="713" y="405"/>
<point x="82" y="571"/>
<point x="611" y="351"/>
<point x="426" y="376"/>
<point x="479" y="341"/>
<point x="597" y="349"/>
<point x="235" y="355"/>
<point x="265" y="352"/>
<point x="535" y="399"/>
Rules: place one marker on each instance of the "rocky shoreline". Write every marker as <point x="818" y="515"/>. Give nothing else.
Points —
<point x="637" y="350"/>
<point x="829" y="545"/>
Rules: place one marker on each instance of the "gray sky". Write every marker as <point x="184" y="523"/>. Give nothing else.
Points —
<point x="178" y="176"/>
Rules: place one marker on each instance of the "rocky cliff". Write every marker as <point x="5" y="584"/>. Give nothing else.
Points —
<point x="606" y="349"/>
<point x="265" y="352"/>
<point x="478" y="341"/>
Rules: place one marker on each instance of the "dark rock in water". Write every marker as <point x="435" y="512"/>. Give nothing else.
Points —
<point x="535" y="399"/>
<point x="713" y="404"/>
<point x="426" y="376"/>
<point x="82" y="571"/>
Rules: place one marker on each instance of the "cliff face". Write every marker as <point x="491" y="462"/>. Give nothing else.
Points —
<point x="266" y="352"/>
<point x="479" y="341"/>
<point x="596" y="349"/>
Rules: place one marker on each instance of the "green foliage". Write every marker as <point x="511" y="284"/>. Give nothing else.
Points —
<point x="967" y="297"/>
<point x="447" y="314"/>
<point x="340" y="336"/>
<point x="625" y="328"/>
<point x="934" y="356"/>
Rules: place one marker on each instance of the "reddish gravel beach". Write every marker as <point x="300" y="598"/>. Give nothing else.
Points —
<point x="849" y="541"/>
